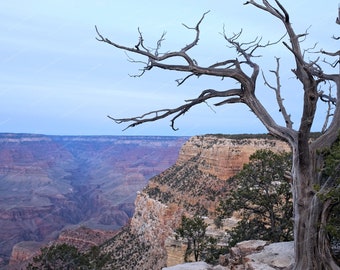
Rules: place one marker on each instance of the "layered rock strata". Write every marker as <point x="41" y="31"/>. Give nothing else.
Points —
<point x="80" y="237"/>
<point x="48" y="183"/>
<point x="193" y="185"/>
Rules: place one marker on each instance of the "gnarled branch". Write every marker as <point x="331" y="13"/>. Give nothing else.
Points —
<point x="277" y="90"/>
<point x="181" y="110"/>
<point x="330" y="101"/>
<point x="309" y="73"/>
<point x="229" y="68"/>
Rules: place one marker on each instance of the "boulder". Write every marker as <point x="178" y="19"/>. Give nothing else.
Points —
<point x="195" y="266"/>
<point x="257" y="254"/>
<point x="273" y="256"/>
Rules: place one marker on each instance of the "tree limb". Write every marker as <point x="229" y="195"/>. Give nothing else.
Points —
<point x="308" y="73"/>
<point x="277" y="90"/>
<point x="179" y="111"/>
<point x="230" y="68"/>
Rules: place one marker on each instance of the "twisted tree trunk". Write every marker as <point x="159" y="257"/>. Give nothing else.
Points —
<point x="312" y="247"/>
<point x="311" y="207"/>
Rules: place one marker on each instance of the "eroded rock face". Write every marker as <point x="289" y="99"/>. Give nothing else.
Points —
<point x="194" y="184"/>
<point x="153" y="220"/>
<point x="49" y="182"/>
<point x="23" y="252"/>
<point x="83" y="238"/>
<point x="198" y="180"/>
<point x="80" y="237"/>
<point x="223" y="156"/>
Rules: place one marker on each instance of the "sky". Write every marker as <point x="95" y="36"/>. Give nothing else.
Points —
<point x="57" y="79"/>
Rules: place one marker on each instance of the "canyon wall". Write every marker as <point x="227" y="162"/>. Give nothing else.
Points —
<point x="194" y="184"/>
<point x="49" y="183"/>
<point x="223" y="156"/>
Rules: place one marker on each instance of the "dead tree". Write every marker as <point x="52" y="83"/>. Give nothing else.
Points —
<point x="312" y="247"/>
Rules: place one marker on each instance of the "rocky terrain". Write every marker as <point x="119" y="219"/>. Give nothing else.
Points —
<point x="249" y="255"/>
<point x="80" y="237"/>
<point x="194" y="184"/>
<point x="51" y="183"/>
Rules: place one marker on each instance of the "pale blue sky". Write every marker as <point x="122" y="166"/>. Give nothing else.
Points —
<point x="55" y="78"/>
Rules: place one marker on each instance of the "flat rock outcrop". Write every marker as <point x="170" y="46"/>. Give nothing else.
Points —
<point x="193" y="266"/>
<point x="257" y="254"/>
<point x="250" y="255"/>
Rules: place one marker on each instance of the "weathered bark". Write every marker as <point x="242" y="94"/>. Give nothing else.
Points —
<point x="312" y="248"/>
<point x="303" y="208"/>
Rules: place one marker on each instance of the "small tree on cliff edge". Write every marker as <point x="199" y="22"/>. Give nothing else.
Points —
<point x="193" y="230"/>
<point x="262" y="196"/>
<point x="312" y="247"/>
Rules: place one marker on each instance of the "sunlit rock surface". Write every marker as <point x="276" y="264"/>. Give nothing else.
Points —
<point x="195" y="184"/>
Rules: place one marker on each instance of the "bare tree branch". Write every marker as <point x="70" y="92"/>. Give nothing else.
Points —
<point x="330" y="101"/>
<point x="230" y="68"/>
<point x="197" y="29"/>
<point x="277" y="90"/>
<point x="309" y="73"/>
<point x="247" y="49"/>
<point x="337" y="53"/>
<point x="272" y="10"/>
<point x="179" y="111"/>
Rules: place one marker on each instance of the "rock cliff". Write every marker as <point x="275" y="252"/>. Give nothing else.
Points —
<point x="223" y="156"/>
<point x="194" y="184"/>
<point x="199" y="178"/>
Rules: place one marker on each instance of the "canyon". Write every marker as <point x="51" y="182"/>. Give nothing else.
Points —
<point x="191" y="182"/>
<point x="49" y="184"/>
<point x="193" y="185"/>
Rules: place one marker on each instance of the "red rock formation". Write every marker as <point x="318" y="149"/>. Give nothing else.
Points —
<point x="224" y="157"/>
<point x="23" y="252"/>
<point x="82" y="238"/>
<point x="195" y="183"/>
<point x="49" y="182"/>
